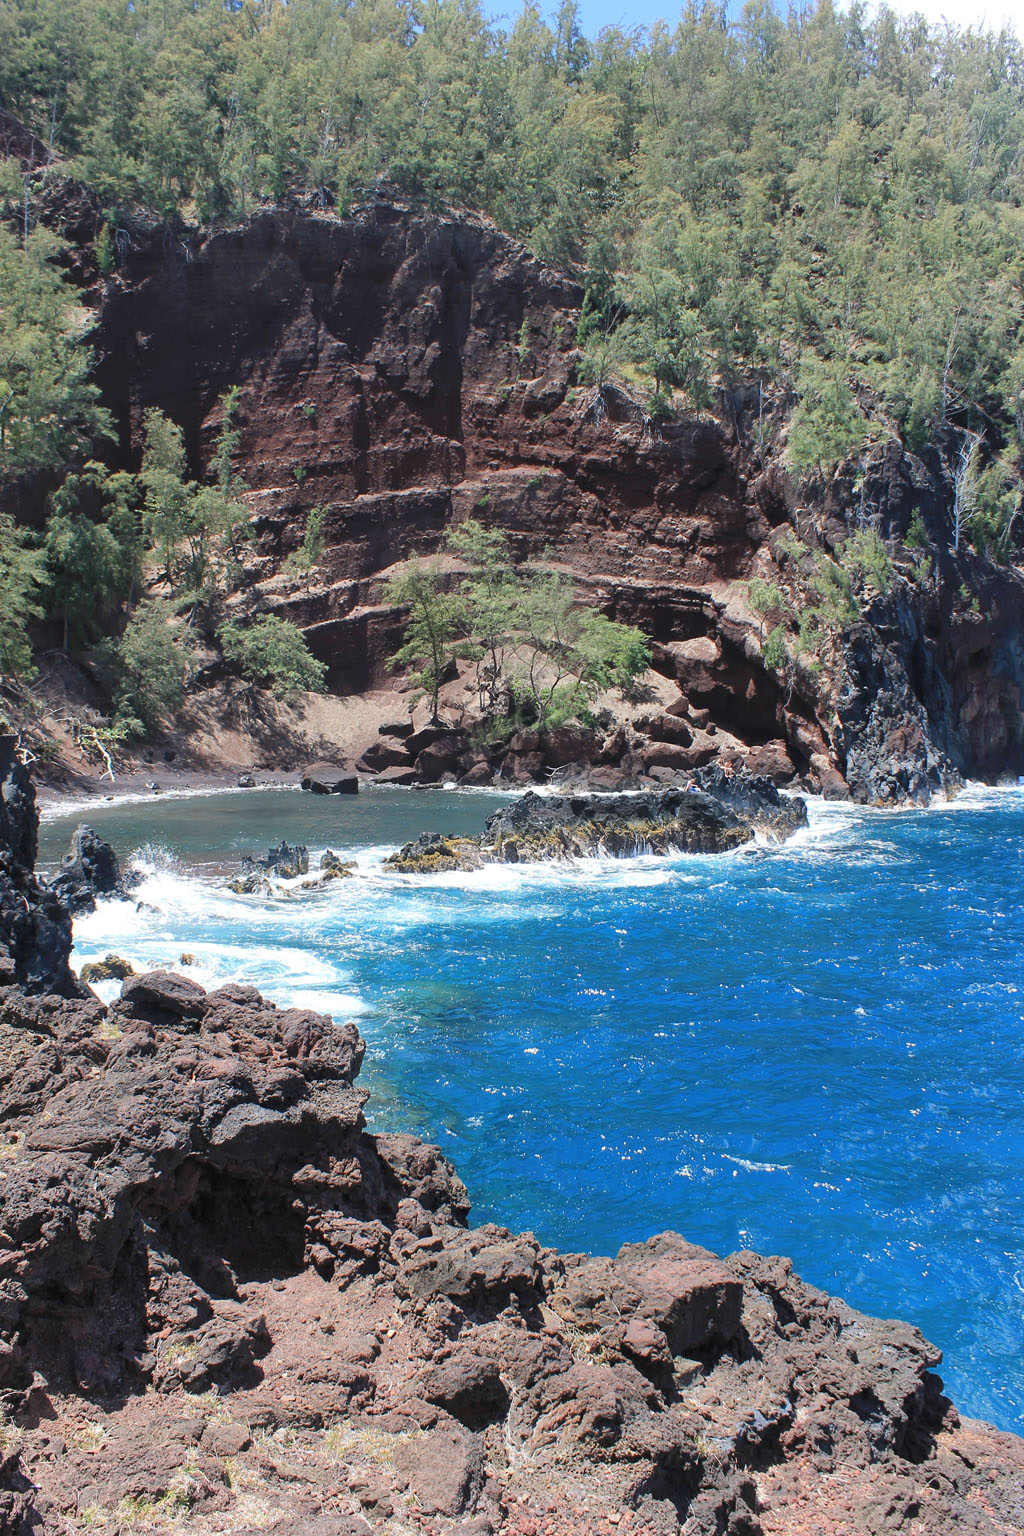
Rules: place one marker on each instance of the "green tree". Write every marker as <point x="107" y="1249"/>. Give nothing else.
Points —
<point x="486" y="609"/>
<point x="827" y="424"/>
<point x="48" y="408"/>
<point x="272" y="652"/>
<point x="432" y="627"/>
<point x="167" y="494"/>
<point x="22" y="580"/>
<point x="85" y="574"/>
<point x="149" y="666"/>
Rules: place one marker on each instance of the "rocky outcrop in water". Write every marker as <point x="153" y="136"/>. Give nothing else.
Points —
<point x="329" y="779"/>
<point x="261" y="877"/>
<point x="544" y="827"/>
<point x="89" y="869"/>
<point x="282" y="862"/>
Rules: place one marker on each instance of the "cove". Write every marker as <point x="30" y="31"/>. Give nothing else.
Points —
<point x="815" y="1050"/>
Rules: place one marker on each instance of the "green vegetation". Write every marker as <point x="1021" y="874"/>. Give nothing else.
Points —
<point x="273" y="653"/>
<point x="865" y="559"/>
<point x="312" y="547"/>
<point x="767" y="600"/>
<point x="22" y="575"/>
<point x="541" y="659"/>
<point x="430" y="630"/>
<point x="827" y="204"/>
<point x="829" y="199"/>
<point x="48" y="409"/>
<point x="150" y="667"/>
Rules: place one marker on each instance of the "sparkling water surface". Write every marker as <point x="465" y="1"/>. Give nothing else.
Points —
<point x="816" y="1050"/>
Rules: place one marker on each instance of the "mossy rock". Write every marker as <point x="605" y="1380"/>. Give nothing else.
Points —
<point x="113" y="968"/>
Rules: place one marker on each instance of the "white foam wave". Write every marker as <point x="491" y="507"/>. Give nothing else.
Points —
<point x="755" y="1167"/>
<point x="976" y="796"/>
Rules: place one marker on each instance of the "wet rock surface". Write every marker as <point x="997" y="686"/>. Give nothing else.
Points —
<point x="89" y="869"/>
<point x="712" y="815"/>
<point x="282" y="862"/>
<point x="35" y="926"/>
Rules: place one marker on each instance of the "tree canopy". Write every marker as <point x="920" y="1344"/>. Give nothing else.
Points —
<point x="830" y="198"/>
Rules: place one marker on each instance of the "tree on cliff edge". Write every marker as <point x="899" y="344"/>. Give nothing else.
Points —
<point x="541" y="657"/>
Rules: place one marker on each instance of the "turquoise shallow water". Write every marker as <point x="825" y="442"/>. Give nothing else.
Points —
<point x="816" y="1050"/>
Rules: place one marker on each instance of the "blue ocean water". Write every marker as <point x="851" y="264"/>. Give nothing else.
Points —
<point x="816" y="1050"/>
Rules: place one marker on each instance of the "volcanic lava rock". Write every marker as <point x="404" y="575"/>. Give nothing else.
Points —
<point x="88" y="869"/>
<point x="215" y="1280"/>
<point x="281" y="863"/>
<point x="543" y="827"/>
<point x="111" y="968"/>
<point x="35" y="926"/>
<point x="328" y="779"/>
<point x="755" y="797"/>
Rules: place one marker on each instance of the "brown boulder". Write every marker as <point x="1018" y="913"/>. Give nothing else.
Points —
<point x="384" y="754"/>
<point x="329" y="779"/>
<point x="444" y="1469"/>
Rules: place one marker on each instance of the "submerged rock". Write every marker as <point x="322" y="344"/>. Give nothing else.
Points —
<point x="544" y="827"/>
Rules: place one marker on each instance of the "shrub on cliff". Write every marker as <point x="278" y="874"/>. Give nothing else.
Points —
<point x="22" y="578"/>
<point x="540" y="656"/>
<point x="271" y="652"/>
<point x="150" y="668"/>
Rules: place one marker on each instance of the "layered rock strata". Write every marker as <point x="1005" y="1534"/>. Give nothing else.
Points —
<point x="408" y="371"/>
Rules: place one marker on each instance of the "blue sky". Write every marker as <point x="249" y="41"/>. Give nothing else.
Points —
<point x="630" y="13"/>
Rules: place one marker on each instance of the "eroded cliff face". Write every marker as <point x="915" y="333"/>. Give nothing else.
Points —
<point x="407" y="371"/>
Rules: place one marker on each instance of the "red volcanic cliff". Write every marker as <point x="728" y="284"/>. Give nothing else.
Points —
<point x="408" y="370"/>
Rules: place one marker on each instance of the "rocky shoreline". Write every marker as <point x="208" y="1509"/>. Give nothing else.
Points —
<point x="226" y="1306"/>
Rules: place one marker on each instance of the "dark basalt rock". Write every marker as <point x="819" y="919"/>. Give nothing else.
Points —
<point x="544" y="827"/>
<point x="283" y="863"/>
<point x="88" y="869"/>
<point x="755" y="797"/>
<point x="329" y="779"/>
<point x="35" y="926"/>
